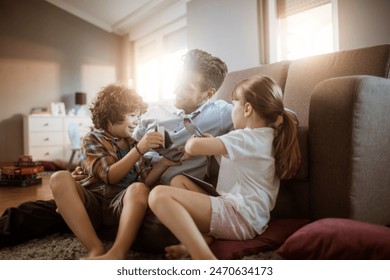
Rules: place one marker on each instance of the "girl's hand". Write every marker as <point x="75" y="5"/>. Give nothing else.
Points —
<point x="206" y="135"/>
<point x="150" y="140"/>
<point x="185" y="156"/>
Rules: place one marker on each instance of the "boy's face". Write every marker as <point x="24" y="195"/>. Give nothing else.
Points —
<point x="126" y="127"/>
<point x="189" y="93"/>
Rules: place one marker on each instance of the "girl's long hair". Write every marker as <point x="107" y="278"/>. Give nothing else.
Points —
<point x="266" y="98"/>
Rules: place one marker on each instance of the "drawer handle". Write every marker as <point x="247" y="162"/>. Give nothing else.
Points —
<point x="46" y="124"/>
<point x="47" y="154"/>
<point x="46" y="139"/>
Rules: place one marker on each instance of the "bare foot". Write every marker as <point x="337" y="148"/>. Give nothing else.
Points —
<point x="94" y="253"/>
<point x="106" y="256"/>
<point x="176" y="252"/>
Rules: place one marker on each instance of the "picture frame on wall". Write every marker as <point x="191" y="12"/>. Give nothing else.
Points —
<point x="58" y="109"/>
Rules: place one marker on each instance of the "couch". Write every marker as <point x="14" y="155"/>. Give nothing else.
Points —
<point x="342" y="100"/>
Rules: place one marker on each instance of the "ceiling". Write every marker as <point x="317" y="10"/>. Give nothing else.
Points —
<point x="114" y="16"/>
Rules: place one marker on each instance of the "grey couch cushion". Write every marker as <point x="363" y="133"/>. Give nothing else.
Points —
<point x="349" y="149"/>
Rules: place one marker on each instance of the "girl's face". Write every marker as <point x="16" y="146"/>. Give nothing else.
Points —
<point x="239" y="120"/>
<point x="126" y="127"/>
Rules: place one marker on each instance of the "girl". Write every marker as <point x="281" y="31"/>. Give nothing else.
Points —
<point x="111" y="194"/>
<point x="261" y="150"/>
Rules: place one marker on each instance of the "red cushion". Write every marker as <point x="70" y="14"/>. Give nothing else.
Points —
<point x="334" y="238"/>
<point x="277" y="232"/>
<point x="50" y="165"/>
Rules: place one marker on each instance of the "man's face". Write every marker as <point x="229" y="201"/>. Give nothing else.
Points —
<point x="188" y="92"/>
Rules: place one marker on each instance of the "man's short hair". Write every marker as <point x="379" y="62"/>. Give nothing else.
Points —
<point x="212" y="68"/>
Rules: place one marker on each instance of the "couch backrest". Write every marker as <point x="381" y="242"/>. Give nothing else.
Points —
<point x="278" y="71"/>
<point x="298" y="79"/>
<point x="304" y="74"/>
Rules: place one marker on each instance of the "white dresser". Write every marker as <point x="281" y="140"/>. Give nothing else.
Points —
<point x="46" y="137"/>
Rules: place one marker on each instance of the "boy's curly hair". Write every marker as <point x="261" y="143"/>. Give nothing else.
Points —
<point x="113" y="103"/>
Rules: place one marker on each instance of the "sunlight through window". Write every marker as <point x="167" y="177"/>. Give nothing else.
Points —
<point x="171" y="66"/>
<point x="156" y="77"/>
<point x="306" y="33"/>
<point x="147" y="84"/>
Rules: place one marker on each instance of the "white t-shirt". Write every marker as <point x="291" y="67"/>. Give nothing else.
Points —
<point x="247" y="174"/>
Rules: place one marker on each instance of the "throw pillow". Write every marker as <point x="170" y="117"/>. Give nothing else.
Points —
<point x="336" y="238"/>
<point x="277" y="232"/>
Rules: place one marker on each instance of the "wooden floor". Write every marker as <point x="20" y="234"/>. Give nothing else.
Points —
<point x="13" y="196"/>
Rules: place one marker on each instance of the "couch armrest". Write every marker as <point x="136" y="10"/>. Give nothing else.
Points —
<point x="349" y="132"/>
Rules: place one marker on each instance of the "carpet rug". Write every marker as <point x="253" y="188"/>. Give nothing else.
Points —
<point x="66" y="246"/>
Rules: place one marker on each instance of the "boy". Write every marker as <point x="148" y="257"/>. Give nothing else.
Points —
<point x="110" y="194"/>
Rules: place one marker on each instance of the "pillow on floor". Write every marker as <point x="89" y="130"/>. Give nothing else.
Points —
<point x="334" y="238"/>
<point x="277" y="232"/>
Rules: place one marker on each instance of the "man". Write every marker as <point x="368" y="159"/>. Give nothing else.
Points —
<point x="202" y="75"/>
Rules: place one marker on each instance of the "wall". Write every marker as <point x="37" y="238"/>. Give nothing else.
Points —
<point x="46" y="55"/>
<point x="229" y="28"/>
<point x="363" y="23"/>
<point x="225" y="28"/>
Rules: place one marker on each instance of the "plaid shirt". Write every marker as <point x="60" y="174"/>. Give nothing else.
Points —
<point x="98" y="152"/>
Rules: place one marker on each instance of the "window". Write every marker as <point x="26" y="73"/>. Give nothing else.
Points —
<point x="171" y="64"/>
<point x="300" y="28"/>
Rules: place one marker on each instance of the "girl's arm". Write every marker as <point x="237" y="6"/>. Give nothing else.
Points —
<point x="205" y="146"/>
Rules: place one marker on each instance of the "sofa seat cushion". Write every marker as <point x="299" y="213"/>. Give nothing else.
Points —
<point x="336" y="238"/>
<point x="277" y="232"/>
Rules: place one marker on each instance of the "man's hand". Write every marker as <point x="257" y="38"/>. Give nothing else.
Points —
<point x="168" y="163"/>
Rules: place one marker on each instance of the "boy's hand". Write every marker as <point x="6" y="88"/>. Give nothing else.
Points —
<point x="78" y="174"/>
<point x="150" y="140"/>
